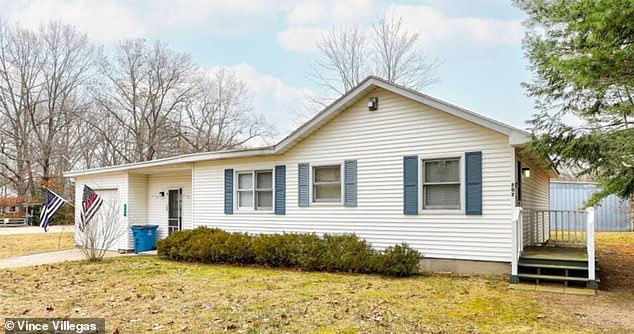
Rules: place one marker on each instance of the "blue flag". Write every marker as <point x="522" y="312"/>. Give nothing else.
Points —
<point x="52" y="202"/>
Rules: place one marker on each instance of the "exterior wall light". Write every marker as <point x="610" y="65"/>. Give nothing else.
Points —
<point x="373" y="103"/>
<point x="526" y="172"/>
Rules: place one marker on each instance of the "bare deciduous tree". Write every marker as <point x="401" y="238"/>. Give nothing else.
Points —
<point x="41" y="75"/>
<point x="221" y="116"/>
<point x="144" y="90"/>
<point x="344" y="60"/>
<point x="67" y="60"/>
<point x="21" y="63"/>
<point x="389" y="50"/>
<point x="101" y="233"/>
<point x="398" y="59"/>
<point x="64" y="104"/>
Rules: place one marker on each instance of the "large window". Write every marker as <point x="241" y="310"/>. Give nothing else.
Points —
<point x="327" y="183"/>
<point x="255" y="190"/>
<point x="441" y="184"/>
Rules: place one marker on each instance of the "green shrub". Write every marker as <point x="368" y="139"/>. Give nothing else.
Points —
<point x="173" y="247"/>
<point x="237" y="248"/>
<point x="398" y="260"/>
<point x="307" y="252"/>
<point x="276" y="250"/>
<point x="346" y="253"/>
<point x="204" y="245"/>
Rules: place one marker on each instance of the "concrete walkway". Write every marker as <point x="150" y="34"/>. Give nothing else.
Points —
<point x="48" y="258"/>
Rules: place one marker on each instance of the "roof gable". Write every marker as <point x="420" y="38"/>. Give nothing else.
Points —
<point x="516" y="136"/>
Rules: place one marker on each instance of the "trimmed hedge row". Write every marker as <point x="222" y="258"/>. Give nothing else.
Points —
<point x="309" y="252"/>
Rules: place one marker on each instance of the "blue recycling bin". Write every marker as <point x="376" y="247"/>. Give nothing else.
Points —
<point x="144" y="237"/>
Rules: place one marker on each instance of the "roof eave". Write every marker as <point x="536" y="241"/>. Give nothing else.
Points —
<point x="187" y="158"/>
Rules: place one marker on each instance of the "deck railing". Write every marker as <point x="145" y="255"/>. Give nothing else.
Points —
<point x="517" y="241"/>
<point x="552" y="227"/>
<point x="590" y="247"/>
<point x="556" y="227"/>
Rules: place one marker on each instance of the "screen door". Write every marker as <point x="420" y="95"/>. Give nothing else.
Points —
<point x="175" y="210"/>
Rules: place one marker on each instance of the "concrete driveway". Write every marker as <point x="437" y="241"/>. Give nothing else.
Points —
<point x="48" y="258"/>
<point x="11" y="230"/>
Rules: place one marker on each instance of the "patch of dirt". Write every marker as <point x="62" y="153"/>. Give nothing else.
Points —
<point x="612" y="309"/>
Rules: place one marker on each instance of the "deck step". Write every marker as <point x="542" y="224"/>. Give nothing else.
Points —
<point x="530" y="260"/>
<point x="553" y="277"/>
<point x="551" y="266"/>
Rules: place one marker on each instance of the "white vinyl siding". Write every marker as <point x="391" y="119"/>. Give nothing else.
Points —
<point x="114" y="186"/>
<point x="140" y="192"/>
<point x="137" y="203"/>
<point x="158" y="206"/>
<point x="535" y="194"/>
<point x="378" y="140"/>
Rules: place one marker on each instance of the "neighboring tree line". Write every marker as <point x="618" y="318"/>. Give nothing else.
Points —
<point x="582" y="55"/>
<point x="66" y="103"/>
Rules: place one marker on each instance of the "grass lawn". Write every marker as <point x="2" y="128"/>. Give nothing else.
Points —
<point x="612" y="309"/>
<point x="140" y="294"/>
<point x="24" y="244"/>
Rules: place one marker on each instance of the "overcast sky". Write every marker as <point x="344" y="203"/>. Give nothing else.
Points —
<point x="269" y="43"/>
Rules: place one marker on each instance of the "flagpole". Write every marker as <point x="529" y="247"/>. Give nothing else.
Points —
<point x="59" y="240"/>
<point x="63" y="199"/>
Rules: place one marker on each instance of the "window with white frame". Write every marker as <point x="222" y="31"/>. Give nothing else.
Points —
<point x="441" y="183"/>
<point x="255" y="190"/>
<point x="264" y="190"/>
<point x="327" y="183"/>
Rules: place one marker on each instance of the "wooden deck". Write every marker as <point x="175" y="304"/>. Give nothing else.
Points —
<point x="553" y="263"/>
<point x="556" y="253"/>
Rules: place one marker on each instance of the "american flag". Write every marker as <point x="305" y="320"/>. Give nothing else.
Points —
<point x="90" y="204"/>
<point x="52" y="202"/>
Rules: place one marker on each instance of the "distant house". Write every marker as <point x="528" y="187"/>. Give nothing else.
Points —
<point x="9" y="201"/>
<point x="387" y="163"/>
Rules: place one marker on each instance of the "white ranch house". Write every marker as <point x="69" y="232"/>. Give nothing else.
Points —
<point x="387" y="163"/>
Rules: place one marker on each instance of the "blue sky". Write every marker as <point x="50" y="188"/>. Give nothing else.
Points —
<point x="270" y="43"/>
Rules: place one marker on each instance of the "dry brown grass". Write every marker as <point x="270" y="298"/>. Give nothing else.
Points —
<point x="140" y="294"/>
<point x="24" y="244"/>
<point x="137" y="294"/>
<point x="612" y="309"/>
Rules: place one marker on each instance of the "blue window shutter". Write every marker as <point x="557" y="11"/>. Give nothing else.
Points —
<point x="228" y="191"/>
<point x="473" y="180"/>
<point x="410" y="185"/>
<point x="303" y="186"/>
<point x="280" y="190"/>
<point x="350" y="183"/>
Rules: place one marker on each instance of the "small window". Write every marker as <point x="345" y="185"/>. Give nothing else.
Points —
<point x="255" y="190"/>
<point x="327" y="183"/>
<point x="264" y="190"/>
<point x="441" y="184"/>
<point x="245" y="190"/>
